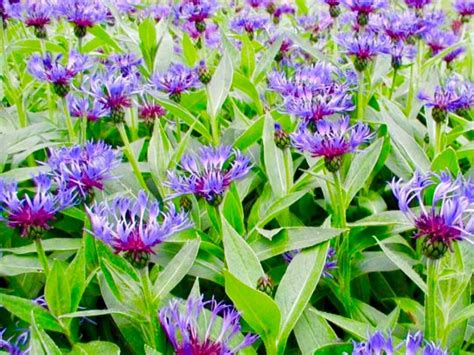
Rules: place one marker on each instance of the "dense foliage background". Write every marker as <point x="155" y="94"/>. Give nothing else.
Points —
<point x="214" y="177"/>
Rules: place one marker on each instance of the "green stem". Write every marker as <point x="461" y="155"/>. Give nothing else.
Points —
<point x="131" y="157"/>
<point x="48" y="89"/>
<point x="133" y="125"/>
<point x="149" y="305"/>
<point x="288" y="172"/>
<point x="411" y="92"/>
<point x="438" y="138"/>
<point x="360" y="98"/>
<point x="84" y="130"/>
<point x="69" y="124"/>
<point x="392" y="88"/>
<point x="430" y="300"/>
<point x="3" y="38"/>
<point x="43" y="259"/>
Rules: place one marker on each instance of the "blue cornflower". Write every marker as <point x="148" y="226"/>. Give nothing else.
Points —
<point x="400" y="26"/>
<point x="376" y="344"/>
<point x="197" y="11"/>
<point x="438" y="40"/>
<point x="465" y="9"/>
<point x="449" y="218"/>
<point x="315" y="23"/>
<point x="330" y="264"/>
<point x="363" y="8"/>
<point x="127" y="64"/>
<point x="32" y="215"/>
<point x="211" y="34"/>
<point x="331" y="140"/>
<point x="176" y="80"/>
<point x="9" y="9"/>
<point x="334" y="9"/>
<point x="363" y="47"/>
<point x="36" y="14"/>
<point x="400" y="50"/>
<point x="158" y="12"/>
<point x="150" y="111"/>
<point x="456" y="95"/>
<point x="128" y="7"/>
<point x="282" y="10"/>
<point x="10" y="347"/>
<point x="413" y="343"/>
<point x="83" y="14"/>
<point x="135" y="226"/>
<point x="432" y="349"/>
<point x="114" y="93"/>
<point x="84" y="168"/>
<point x="81" y="107"/>
<point x="51" y="70"/>
<point x="417" y="4"/>
<point x="191" y="331"/>
<point x="453" y="55"/>
<point x="249" y="23"/>
<point x="209" y="173"/>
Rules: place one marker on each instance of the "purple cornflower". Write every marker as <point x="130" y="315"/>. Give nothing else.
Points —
<point x="114" y="93"/>
<point x="376" y="344"/>
<point x="209" y="173"/>
<point x="191" y="331"/>
<point x="135" y="226"/>
<point x="331" y="140"/>
<point x="315" y="24"/>
<point x="363" y="8"/>
<point x="363" y="47"/>
<point x="417" y="4"/>
<point x="51" y="70"/>
<point x="282" y="10"/>
<point x="9" y="346"/>
<point x="455" y="95"/>
<point x="9" y="9"/>
<point x="259" y="3"/>
<point x="432" y="349"/>
<point x="158" y="12"/>
<point x="430" y="20"/>
<point x="334" y="9"/>
<point x="127" y="64"/>
<point x="176" y="80"/>
<point x="330" y="264"/>
<point x="449" y="218"/>
<point x="211" y="34"/>
<point x="197" y="11"/>
<point x="400" y="50"/>
<point x="249" y="23"/>
<point x="83" y="14"/>
<point x="37" y="14"/>
<point x="128" y="7"/>
<point x="81" y="107"/>
<point x="400" y="26"/>
<point x="465" y="9"/>
<point x="438" y="40"/>
<point x="84" y="168"/>
<point x="150" y="112"/>
<point x="453" y="55"/>
<point x="32" y="215"/>
<point x="413" y="343"/>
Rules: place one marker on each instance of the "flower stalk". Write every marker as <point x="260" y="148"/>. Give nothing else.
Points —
<point x="43" y="259"/>
<point x="431" y="331"/>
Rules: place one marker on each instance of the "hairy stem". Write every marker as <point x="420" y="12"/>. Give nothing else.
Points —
<point x="430" y="300"/>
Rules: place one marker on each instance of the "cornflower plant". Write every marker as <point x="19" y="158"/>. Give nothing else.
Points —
<point x="82" y="14"/>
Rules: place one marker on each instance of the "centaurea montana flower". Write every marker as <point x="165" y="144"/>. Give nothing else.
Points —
<point x="83" y="14"/>
<point x="249" y="23"/>
<point x="158" y="12"/>
<point x="438" y="40"/>
<point x="376" y="344"/>
<point x="400" y="50"/>
<point x="465" y="9"/>
<point x="448" y="219"/>
<point x="37" y="14"/>
<point x="334" y="9"/>
<point x="330" y="264"/>
<point x="417" y="4"/>
<point x="127" y="7"/>
<point x="10" y="347"/>
<point x="197" y="11"/>
<point x="191" y="331"/>
<point x="84" y="168"/>
<point x="453" y="55"/>
<point x="282" y="10"/>
<point x="176" y="80"/>
<point x="211" y="35"/>
<point x="127" y="64"/>
<point x="135" y="226"/>
<point x="84" y="107"/>
<point x="149" y="112"/>
<point x="33" y="215"/>
<point x="331" y="140"/>
<point x="9" y="9"/>
<point x="364" y="47"/>
<point x="51" y="70"/>
<point x="316" y="24"/>
<point x="400" y="26"/>
<point x="209" y="173"/>
<point x="363" y="8"/>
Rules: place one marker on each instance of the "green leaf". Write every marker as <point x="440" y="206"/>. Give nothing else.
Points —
<point x="233" y="210"/>
<point x="447" y="160"/>
<point x="22" y="308"/>
<point x="240" y="258"/>
<point x="292" y="238"/>
<point x="12" y="265"/>
<point x="94" y="348"/>
<point x="219" y="87"/>
<point x="247" y="62"/>
<point x="148" y="42"/>
<point x="257" y="308"/>
<point x="242" y="83"/>
<point x="43" y="339"/>
<point x="164" y="54"/>
<point x="99" y="32"/>
<point x="58" y="289"/>
<point x="53" y="244"/>
<point x="251" y="136"/>
<point x="361" y="168"/>
<point x="274" y="160"/>
<point x="190" y="53"/>
<point x="76" y="272"/>
<point x="356" y="328"/>
<point x="401" y="261"/>
<point x="297" y="286"/>
<point x="266" y="60"/>
<point x="176" y="269"/>
<point x="94" y="313"/>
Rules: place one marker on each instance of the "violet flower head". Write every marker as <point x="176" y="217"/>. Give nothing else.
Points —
<point x="10" y="347"/>
<point x="158" y="12"/>
<point x="191" y="331"/>
<point x="33" y="215"/>
<point x="211" y="35"/>
<point x="453" y="55"/>
<point x="83" y="14"/>
<point x="282" y="10"/>
<point x="176" y="80"/>
<point x="249" y="23"/>
<point x="315" y="24"/>
<point x="364" y="47"/>
<point x="438" y="40"/>
<point x="400" y="26"/>
<point x="465" y="9"/>
<point x="149" y="112"/>
<point x="447" y="219"/>
<point x="9" y="9"/>
<point x="134" y="226"/>
<point x="330" y="264"/>
<point x="84" y="168"/>
<point x="51" y="70"/>
<point x="197" y="11"/>
<point x="80" y="107"/>
<point x="363" y="8"/>
<point x="127" y="64"/>
<point x="376" y="344"/>
<point x="331" y="140"/>
<point x="432" y="349"/>
<point x="334" y="8"/>
<point x="417" y="4"/>
<point x="127" y="7"/>
<point x="413" y="343"/>
<point x="400" y="50"/>
<point x="37" y="14"/>
<point x="209" y="173"/>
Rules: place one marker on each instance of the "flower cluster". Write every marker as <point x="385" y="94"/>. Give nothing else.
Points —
<point x="191" y="331"/>
<point x="209" y="173"/>
<point x="331" y="140"/>
<point x="33" y="215"/>
<point x="135" y="226"/>
<point x="449" y="216"/>
<point x="51" y="70"/>
<point x="176" y="80"/>
<point x="36" y="14"/>
<point x="84" y="168"/>
<point x="83" y="14"/>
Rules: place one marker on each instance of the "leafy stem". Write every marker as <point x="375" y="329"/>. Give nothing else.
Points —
<point x="430" y="300"/>
<point x="43" y="259"/>
<point x="69" y="124"/>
